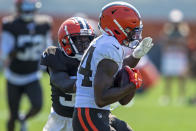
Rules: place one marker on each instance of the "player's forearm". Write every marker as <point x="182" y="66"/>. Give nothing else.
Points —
<point x="130" y="61"/>
<point x="125" y="100"/>
<point x="58" y="80"/>
<point x="65" y="86"/>
<point x="112" y="95"/>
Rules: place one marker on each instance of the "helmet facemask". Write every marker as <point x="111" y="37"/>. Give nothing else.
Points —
<point x="80" y="43"/>
<point x="123" y="21"/>
<point x="134" y="36"/>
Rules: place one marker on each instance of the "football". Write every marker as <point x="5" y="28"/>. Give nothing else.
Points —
<point x="121" y="79"/>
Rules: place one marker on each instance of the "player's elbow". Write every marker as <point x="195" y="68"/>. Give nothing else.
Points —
<point x="123" y="103"/>
<point x="100" y="103"/>
<point x="127" y="99"/>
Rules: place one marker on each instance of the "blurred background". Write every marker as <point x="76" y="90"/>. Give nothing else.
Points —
<point x="167" y="98"/>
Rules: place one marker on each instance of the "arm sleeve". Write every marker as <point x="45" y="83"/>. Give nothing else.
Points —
<point x="44" y="58"/>
<point x="7" y="44"/>
<point x="49" y="57"/>
<point x="62" y="81"/>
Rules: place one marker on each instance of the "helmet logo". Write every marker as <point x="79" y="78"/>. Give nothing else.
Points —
<point x="68" y="51"/>
<point x="127" y="30"/>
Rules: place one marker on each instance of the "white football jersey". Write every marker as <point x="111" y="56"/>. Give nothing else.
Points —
<point x="103" y="47"/>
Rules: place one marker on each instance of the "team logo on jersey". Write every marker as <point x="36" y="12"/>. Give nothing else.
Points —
<point x="99" y="115"/>
<point x="116" y="47"/>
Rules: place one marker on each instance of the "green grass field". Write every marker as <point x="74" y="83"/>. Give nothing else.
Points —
<point x="144" y="115"/>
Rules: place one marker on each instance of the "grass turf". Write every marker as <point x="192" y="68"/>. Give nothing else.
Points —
<point x="145" y="114"/>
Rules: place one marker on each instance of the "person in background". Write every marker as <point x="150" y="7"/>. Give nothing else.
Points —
<point x="192" y="56"/>
<point x="174" y="62"/>
<point x="25" y="35"/>
<point x="74" y="36"/>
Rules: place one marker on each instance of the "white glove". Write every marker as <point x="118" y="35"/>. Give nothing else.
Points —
<point x="143" y="48"/>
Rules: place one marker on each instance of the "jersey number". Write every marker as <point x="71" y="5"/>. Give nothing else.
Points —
<point x="67" y="101"/>
<point x="34" y="47"/>
<point x="86" y="71"/>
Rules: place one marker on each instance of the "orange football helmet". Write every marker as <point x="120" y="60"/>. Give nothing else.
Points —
<point x="74" y="36"/>
<point x="121" y="20"/>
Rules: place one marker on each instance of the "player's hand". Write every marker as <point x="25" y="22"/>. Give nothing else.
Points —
<point x="143" y="48"/>
<point x="134" y="76"/>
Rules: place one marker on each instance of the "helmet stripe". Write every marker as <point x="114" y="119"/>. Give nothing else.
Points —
<point x="119" y="26"/>
<point x="82" y="22"/>
<point x="65" y="28"/>
<point x="87" y="24"/>
<point x="71" y="42"/>
<point x="79" y="21"/>
<point x="81" y="25"/>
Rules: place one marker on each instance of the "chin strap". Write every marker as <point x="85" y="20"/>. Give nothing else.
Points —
<point x="77" y="56"/>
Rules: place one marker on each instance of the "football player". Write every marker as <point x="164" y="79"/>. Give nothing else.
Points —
<point x="121" y="27"/>
<point x="24" y="37"/>
<point x="174" y="39"/>
<point x="74" y="36"/>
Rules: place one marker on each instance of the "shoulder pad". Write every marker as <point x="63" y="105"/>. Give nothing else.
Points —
<point x="49" y="53"/>
<point x="43" y="19"/>
<point x="7" y="23"/>
<point x="8" y="19"/>
<point x="51" y="57"/>
<point x="51" y="50"/>
<point x="112" y="50"/>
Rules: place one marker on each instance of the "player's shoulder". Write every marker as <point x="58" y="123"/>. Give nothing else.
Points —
<point x="51" y="50"/>
<point x="9" y="23"/>
<point x="54" y="58"/>
<point x="107" y="43"/>
<point x="50" y="55"/>
<point x="8" y="19"/>
<point x="43" y="19"/>
<point x="109" y="48"/>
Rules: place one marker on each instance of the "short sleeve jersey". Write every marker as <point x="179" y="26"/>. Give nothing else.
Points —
<point x="29" y="41"/>
<point x="103" y="47"/>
